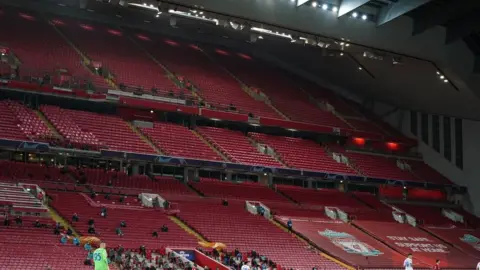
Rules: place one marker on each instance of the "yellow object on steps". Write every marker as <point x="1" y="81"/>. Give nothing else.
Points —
<point x="55" y="216"/>
<point x="186" y="228"/>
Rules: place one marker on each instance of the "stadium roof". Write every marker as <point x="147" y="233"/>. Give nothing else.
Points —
<point x="414" y="54"/>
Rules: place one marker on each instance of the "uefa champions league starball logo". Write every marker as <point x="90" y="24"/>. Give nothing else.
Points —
<point x="349" y="243"/>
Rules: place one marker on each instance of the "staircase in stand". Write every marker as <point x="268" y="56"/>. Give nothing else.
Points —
<point x="219" y="153"/>
<point x="49" y="124"/>
<point x="145" y="138"/>
<point x="349" y="164"/>
<point x="188" y="229"/>
<point x="272" y="153"/>
<point x="84" y="59"/>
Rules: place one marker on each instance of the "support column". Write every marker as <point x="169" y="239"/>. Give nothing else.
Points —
<point x="135" y="168"/>
<point x="309" y="183"/>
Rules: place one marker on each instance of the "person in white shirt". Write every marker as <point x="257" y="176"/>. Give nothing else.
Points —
<point x="245" y="267"/>
<point x="478" y="266"/>
<point x="408" y="263"/>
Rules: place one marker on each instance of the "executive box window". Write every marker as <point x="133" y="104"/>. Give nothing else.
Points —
<point x="425" y="129"/>
<point x="447" y="138"/>
<point x="436" y="133"/>
<point x="459" y="143"/>
<point x="414" y="123"/>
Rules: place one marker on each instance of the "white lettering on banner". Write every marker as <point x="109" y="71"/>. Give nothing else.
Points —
<point x="415" y="244"/>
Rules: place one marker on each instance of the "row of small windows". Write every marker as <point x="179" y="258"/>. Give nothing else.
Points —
<point x="438" y="134"/>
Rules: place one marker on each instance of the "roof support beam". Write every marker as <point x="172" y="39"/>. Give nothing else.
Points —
<point x="398" y="9"/>
<point x="348" y="5"/>
<point x="301" y="2"/>
<point x="439" y="15"/>
<point x="462" y="28"/>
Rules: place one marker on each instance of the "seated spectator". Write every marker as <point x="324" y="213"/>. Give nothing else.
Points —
<point x="91" y="229"/>
<point x="56" y="231"/>
<point x="69" y="231"/>
<point x="164" y="228"/>
<point x="290" y="225"/>
<point x="119" y="232"/>
<point x="155" y="234"/>
<point x="75" y="217"/>
<point x="37" y="224"/>
<point x="76" y="241"/>
<point x="123" y="224"/>
<point x="107" y="196"/>
<point x="6" y="221"/>
<point x="18" y="221"/>
<point x="224" y="202"/>
<point x="91" y="221"/>
<point x="93" y="195"/>
<point x="110" y="183"/>
<point x="104" y="212"/>
<point x="63" y="240"/>
<point x="123" y="198"/>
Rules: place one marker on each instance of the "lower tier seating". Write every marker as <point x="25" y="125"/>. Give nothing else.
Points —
<point x="237" y="228"/>
<point x="140" y="223"/>
<point x="27" y="247"/>
<point x="347" y="243"/>
<point x="245" y="191"/>
<point x="425" y="247"/>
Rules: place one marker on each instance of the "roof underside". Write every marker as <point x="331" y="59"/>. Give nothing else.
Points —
<point x="400" y="80"/>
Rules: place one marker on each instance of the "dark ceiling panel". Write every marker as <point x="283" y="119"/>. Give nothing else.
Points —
<point x="398" y="9"/>
<point x="347" y="6"/>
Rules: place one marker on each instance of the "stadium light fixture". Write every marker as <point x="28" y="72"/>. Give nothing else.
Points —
<point x="445" y="81"/>
<point x="360" y="68"/>
<point x="270" y="32"/>
<point x="442" y="77"/>
<point x="324" y="6"/>
<point x="354" y="14"/>
<point x="364" y="17"/>
<point x="189" y="16"/>
<point x="334" y="9"/>
<point x="145" y="6"/>
<point x="314" y="4"/>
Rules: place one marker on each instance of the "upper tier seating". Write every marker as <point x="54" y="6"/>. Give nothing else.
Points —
<point x="365" y="125"/>
<point x="21" y="123"/>
<point x="236" y="147"/>
<point x="243" y="191"/>
<point x="379" y="167"/>
<point x="370" y="200"/>
<point x="29" y="172"/>
<point x="31" y="248"/>
<point x="216" y="86"/>
<point x="284" y="94"/>
<point x="302" y="154"/>
<point x="140" y="223"/>
<point x="237" y="228"/>
<point x="426" y="172"/>
<point x="118" y="54"/>
<point x="39" y="48"/>
<point x="347" y="243"/>
<point x="425" y="247"/>
<point x="95" y="130"/>
<point x="179" y="141"/>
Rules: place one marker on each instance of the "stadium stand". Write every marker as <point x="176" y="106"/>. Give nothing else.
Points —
<point x="179" y="141"/>
<point x="215" y="85"/>
<point x="249" y="232"/>
<point x="427" y="215"/>
<point x="28" y="247"/>
<point x="40" y="49"/>
<point x="284" y="94"/>
<point x="345" y="241"/>
<point x="427" y="248"/>
<point x="244" y="191"/>
<point x="302" y="154"/>
<point x="141" y="222"/>
<point x="87" y="129"/>
<point x="113" y="49"/>
<point x="236" y="147"/>
<point x="464" y="239"/>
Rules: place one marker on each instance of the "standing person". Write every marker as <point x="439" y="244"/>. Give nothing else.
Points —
<point x="437" y="265"/>
<point x="100" y="258"/>
<point x="245" y="266"/>
<point x="290" y="225"/>
<point x="408" y="263"/>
